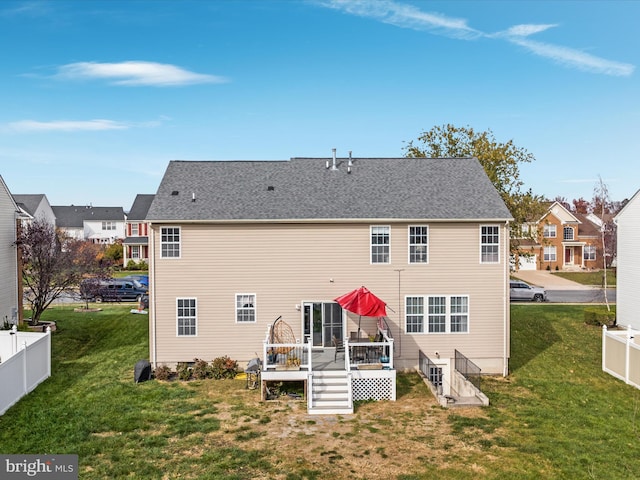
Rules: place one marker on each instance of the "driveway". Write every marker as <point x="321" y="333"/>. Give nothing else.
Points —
<point x="546" y="279"/>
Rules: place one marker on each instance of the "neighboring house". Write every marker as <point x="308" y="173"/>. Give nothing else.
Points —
<point x="621" y="347"/>
<point x="10" y="299"/>
<point x="628" y="269"/>
<point x="566" y="241"/>
<point x="35" y="206"/>
<point x="103" y="225"/>
<point x="235" y="245"/>
<point x="136" y="242"/>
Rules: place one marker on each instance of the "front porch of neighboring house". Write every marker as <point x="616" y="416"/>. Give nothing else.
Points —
<point x="334" y="377"/>
<point x="573" y="255"/>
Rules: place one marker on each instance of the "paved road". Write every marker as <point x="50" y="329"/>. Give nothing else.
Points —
<point x="593" y="295"/>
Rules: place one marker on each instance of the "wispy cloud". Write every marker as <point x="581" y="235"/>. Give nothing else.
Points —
<point x="407" y="16"/>
<point x="404" y="16"/>
<point x="575" y="58"/>
<point x="65" y="126"/>
<point x="136" y="74"/>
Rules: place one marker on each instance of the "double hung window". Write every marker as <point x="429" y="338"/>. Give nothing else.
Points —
<point x="380" y="242"/>
<point x="489" y="244"/>
<point x="418" y="244"/>
<point x="170" y="242"/>
<point x="589" y="252"/>
<point x="186" y="317"/>
<point x="245" y="308"/>
<point x="550" y="253"/>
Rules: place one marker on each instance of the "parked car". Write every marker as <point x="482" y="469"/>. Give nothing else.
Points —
<point x="115" y="290"/>
<point x="143" y="279"/>
<point x="519" y="290"/>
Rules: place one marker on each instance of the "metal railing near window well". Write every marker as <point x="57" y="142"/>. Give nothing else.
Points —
<point x="468" y="369"/>
<point x="431" y="371"/>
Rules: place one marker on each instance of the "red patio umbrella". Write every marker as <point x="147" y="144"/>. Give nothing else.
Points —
<point x="362" y="302"/>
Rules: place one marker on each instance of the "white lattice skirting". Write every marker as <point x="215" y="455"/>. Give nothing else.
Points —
<point x="372" y="389"/>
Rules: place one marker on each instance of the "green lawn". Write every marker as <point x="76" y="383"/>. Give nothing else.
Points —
<point x="556" y="416"/>
<point x="590" y="278"/>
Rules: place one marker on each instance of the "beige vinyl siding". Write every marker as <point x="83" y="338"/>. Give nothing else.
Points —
<point x="288" y="264"/>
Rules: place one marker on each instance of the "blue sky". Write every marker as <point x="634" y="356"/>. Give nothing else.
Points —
<point x="96" y="97"/>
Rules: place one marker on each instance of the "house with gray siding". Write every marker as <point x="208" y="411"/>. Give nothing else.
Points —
<point x="35" y="206"/>
<point x="10" y="300"/>
<point x="621" y="346"/>
<point x="103" y="225"/>
<point x="237" y="247"/>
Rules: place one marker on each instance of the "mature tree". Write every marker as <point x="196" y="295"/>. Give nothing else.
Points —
<point x="581" y="205"/>
<point x="501" y="162"/>
<point x="53" y="264"/>
<point x="115" y="253"/>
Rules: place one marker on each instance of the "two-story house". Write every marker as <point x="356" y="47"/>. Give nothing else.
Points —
<point x="36" y="206"/>
<point x="236" y="245"/>
<point x="565" y="241"/>
<point x="136" y="242"/>
<point x="10" y="296"/>
<point x="103" y="225"/>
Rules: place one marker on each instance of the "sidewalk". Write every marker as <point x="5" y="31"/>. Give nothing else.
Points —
<point x="546" y="279"/>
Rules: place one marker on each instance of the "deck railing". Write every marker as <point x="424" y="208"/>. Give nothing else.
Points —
<point x="283" y="356"/>
<point x="468" y="369"/>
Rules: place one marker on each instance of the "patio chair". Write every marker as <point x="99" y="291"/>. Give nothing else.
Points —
<point x="339" y="345"/>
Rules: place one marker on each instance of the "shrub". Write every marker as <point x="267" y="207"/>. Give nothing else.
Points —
<point x="184" y="371"/>
<point x="224" y="367"/>
<point x="142" y="265"/>
<point x="163" y="372"/>
<point x="132" y="265"/>
<point x="549" y="267"/>
<point x="599" y="317"/>
<point x="201" y="370"/>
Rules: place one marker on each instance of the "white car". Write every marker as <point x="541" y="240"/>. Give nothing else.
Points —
<point x="519" y="290"/>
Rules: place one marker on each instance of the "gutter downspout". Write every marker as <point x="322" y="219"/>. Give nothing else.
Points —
<point x="506" y="302"/>
<point x="152" y="296"/>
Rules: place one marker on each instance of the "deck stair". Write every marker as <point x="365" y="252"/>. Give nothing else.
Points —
<point x="331" y="393"/>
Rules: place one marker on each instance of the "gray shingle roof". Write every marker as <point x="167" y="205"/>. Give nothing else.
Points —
<point x="140" y="207"/>
<point x="29" y="202"/>
<point x="304" y="189"/>
<point x="74" y="216"/>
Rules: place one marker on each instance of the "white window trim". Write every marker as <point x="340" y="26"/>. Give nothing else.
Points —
<point x="547" y="228"/>
<point x="179" y="243"/>
<point x="409" y="244"/>
<point x="555" y="253"/>
<point x="178" y="334"/>
<point x="255" y="308"/>
<point x="565" y="229"/>
<point x="135" y="233"/>
<point x="498" y="245"/>
<point x="371" y="245"/>
<point x="425" y="319"/>
<point x="590" y="248"/>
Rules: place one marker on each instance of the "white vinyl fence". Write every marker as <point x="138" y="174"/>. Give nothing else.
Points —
<point x="25" y="362"/>
<point x="621" y="354"/>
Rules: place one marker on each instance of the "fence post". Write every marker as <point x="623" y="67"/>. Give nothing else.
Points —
<point x="14" y="340"/>
<point x="25" y="365"/>
<point x="48" y="351"/>
<point x="604" y="347"/>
